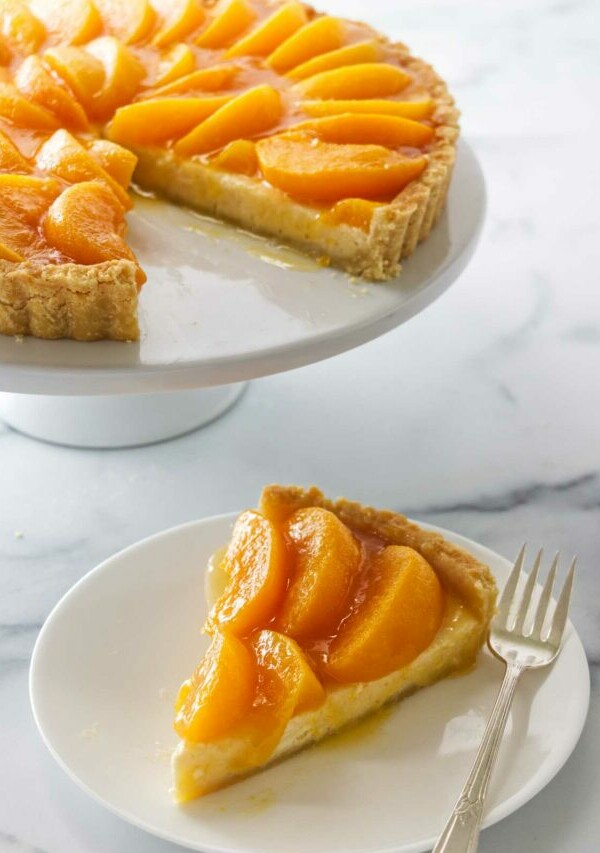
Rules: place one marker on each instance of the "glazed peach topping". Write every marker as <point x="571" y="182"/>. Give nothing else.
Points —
<point x="323" y="109"/>
<point x="308" y="604"/>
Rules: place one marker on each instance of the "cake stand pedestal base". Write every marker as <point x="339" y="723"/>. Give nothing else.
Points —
<point x="123" y="420"/>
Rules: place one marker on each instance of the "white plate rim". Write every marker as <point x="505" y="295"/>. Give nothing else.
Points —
<point x="499" y="813"/>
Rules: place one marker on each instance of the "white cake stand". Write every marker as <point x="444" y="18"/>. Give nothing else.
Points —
<point x="220" y="307"/>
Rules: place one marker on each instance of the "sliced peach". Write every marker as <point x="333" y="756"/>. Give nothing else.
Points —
<point x="355" y="212"/>
<point x="203" y="80"/>
<point x="326" y="558"/>
<point x="310" y="169"/>
<point x="416" y="110"/>
<point x="116" y="161"/>
<point x="123" y="73"/>
<point x="319" y="36"/>
<point x="239" y="156"/>
<point x="175" y="62"/>
<point x="256" y="562"/>
<point x="271" y="32"/>
<point x="177" y="19"/>
<point x="353" y="54"/>
<point x="5" y="54"/>
<point x="365" y="80"/>
<point x="391" y="131"/>
<point x="154" y="121"/>
<point x="23" y="201"/>
<point x="130" y="22"/>
<point x="35" y="80"/>
<point x="68" y="21"/>
<point x="286" y="682"/>
<point x="87" y="224"/>
<point x="7" y="254"/>
<point x="82" y="72"/>
<point x="249" y="114"/>
<point x="285" y="685"/>
<point x="62" y="155"/>
<point x="21" y="29"/>
<point x="29" y="195"/>
<point x="219" y="693"/>
<point x="19" y="110"/>
<point x="398" y="618"/>
<point x="11" y="159"/>
<point x="231" y="18"/>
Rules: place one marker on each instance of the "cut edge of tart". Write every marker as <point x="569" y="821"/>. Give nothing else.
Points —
<point x="469" y="597"/>
<point x="372" y="250"/>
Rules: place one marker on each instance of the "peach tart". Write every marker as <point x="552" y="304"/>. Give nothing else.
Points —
<point x="291" y="123"/>
<point x="321" y="612"/>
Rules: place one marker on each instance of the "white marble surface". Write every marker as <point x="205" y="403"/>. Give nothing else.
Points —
<point x="481" y="415"/>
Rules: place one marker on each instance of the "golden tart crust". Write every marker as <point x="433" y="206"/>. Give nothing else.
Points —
<point x="85" y="303"/>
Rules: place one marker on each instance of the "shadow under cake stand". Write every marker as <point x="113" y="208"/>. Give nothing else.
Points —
<point x="221" y="307"/>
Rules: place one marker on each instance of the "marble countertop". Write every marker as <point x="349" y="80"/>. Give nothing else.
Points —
<point x="481" y="415"/>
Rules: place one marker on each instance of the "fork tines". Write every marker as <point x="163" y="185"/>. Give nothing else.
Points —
<point x="515" y="607"/>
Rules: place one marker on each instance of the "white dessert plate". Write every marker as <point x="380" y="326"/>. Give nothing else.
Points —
<point x="109" y="660"/>
<point x="224" y="306"/>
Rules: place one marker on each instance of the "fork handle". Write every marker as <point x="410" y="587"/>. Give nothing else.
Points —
<point x="461" y="833"/>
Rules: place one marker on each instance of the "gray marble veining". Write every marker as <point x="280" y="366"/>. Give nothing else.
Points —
<point x="481" y="415"/>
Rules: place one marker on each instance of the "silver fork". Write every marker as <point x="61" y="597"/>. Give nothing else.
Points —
<point x="518" y="638"/>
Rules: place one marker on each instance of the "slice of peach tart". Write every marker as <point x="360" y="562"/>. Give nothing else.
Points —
<point x="324" y="611"/>
<point x="291" y="123"/>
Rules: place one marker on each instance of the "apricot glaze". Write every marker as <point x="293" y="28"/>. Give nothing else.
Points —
<point x="311" y="603"/>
